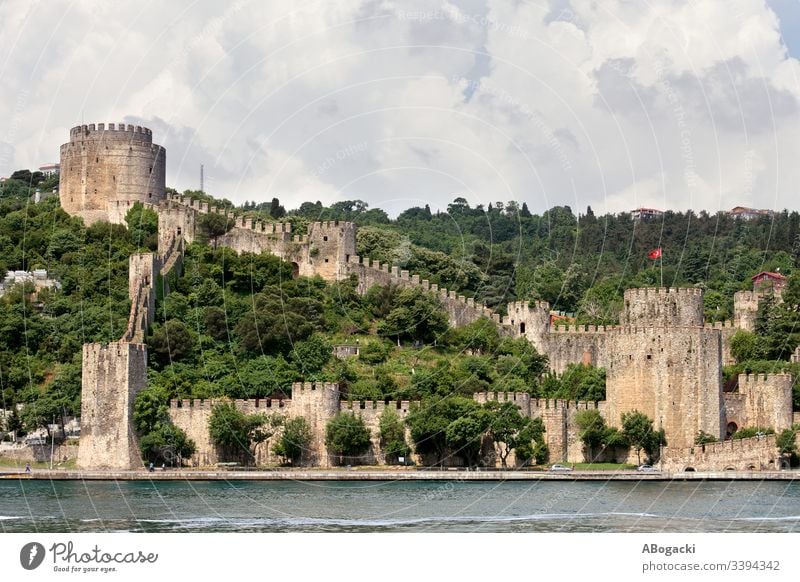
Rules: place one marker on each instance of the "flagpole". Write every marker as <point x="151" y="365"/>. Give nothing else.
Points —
<point x="661" y="263"/>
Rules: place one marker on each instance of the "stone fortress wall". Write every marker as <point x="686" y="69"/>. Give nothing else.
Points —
<point x="662" y="359"/>
<point x="762" y="401"/>
<point x="106" y="168"/>
<point x="316" y="402"/>
<point x="759" y="453"/>
<point x="328" y="250"/>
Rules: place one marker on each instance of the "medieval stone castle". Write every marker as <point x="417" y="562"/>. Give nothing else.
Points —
<point x="662" y="359"/>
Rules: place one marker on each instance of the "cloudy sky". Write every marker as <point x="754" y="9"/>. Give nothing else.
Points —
<point x="613" y="104"/>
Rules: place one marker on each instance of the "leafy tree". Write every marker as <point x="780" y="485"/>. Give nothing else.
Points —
<point x="150" y="409"/>
<point x="168" y="444"/>
<point x="347" y="435"/>
<point x="375" y="352"/>
<point x="481" y="336"/>
<point x="464" y="435"/>
<point x="213" y="225"/>
<point x="142" y="226"/>
<point x="393" y="436"/>
<point x="416" y="315"/>
<point x="311" y="355"/>
<point x="172" y="342"/>
<point x="592" y="429"/>
<point x="294" y="440"/>
<point x="507" y="427"/>
<point x="746" y="345"/>
<point x="235" y="431"/>
<point x="582" y="382"/>
<point x="276" y="210"/>
<point x="638" y="431"/>
<point x="277" y="321"/>
<point x="532" y="446"/>
<point x="430" y="419"/>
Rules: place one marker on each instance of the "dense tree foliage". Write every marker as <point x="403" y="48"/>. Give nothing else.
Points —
<point x="236" y="432"/>
<point x="346" y="435"/>
<point x="393" y="437"/>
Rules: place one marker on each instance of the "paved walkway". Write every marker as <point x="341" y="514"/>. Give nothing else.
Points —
<point x="394" y="475"/>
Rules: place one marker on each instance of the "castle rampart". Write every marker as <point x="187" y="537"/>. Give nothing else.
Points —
<point x="106" y="169"/>
<point x="752" y="454"/>
<point x="316" y="402"/>
<point x="460" y="309"/>
<point x="763" y="401"/>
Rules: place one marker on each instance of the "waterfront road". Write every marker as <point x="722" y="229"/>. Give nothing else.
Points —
<point x="344" y="474"/>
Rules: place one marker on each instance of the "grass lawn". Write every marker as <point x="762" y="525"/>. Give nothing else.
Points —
<point x="8" y="463"/>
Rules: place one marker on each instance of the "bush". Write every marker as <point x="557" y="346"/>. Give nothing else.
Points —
<point x="750" y="432"/>
<point x="703" y="438"/>
<point x="375" y="352"/>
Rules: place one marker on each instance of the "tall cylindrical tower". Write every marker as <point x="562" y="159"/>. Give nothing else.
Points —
<point x="105" y="169"/>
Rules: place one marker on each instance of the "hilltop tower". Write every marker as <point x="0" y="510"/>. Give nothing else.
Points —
<point x="661" y="307"/>
<point x="105" y="169"/>
<point x="330" y="246"/>
<point x="530" y="320"/>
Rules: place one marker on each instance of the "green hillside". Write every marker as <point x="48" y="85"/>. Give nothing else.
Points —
<point x="240" y="326"/>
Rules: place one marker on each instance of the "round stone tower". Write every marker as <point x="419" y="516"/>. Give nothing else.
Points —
<point x="105" y="169"/>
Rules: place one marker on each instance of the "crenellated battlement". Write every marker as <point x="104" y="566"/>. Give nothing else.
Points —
<point x="520" y="398"/>
<point x="461" y="309"/>
<point x="300" y="389"/>
<point x="239" y="221"/>
<point x="330" y="225"/>
<point x="541" y="404"/>
<point x="114" y="348"/>
<point x="376" y="406"/>
<point x="241" y="403"/>
<point x="736" y="445"/>
<point x="524" y="400"/>
<point x="728" y="324"/>
<point x="642" y="293"/>
<point x="762" y="380"/>
<point x="582" y="329"/>
<point x="110" y="131"/>
<point x="522" y="306"/>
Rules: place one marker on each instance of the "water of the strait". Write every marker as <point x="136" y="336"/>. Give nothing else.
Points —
<point x="399" y="506"/>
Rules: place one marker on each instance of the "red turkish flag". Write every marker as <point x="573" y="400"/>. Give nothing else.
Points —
<point x="654" y="254"/>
